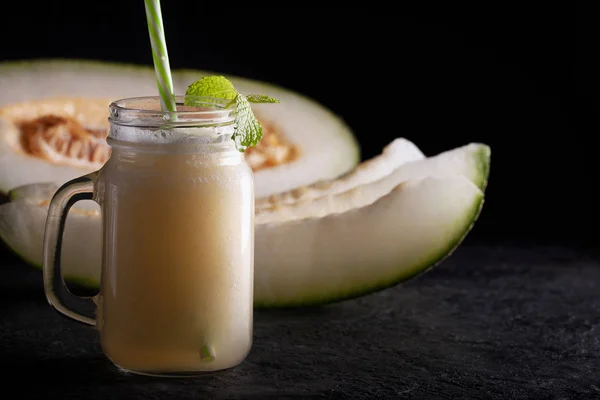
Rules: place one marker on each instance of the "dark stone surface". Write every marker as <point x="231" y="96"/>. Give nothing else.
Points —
<point x="493" y="322"/>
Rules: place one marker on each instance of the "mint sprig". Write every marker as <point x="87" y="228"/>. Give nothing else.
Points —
<point x="248" y="130"/>
<point x="212" y="86"/>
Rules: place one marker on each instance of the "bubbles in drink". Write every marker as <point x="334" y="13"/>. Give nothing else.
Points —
<point x="160" y="136"/>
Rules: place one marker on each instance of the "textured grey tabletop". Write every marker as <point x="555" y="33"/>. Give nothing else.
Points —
<point x="490" y="322"/>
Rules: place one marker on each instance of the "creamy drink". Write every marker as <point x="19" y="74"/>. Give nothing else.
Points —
<point x="177" y="279"/>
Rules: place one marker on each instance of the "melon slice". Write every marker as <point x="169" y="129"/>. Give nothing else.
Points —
<point x="340" y="256"/>
<point x="54" y="114"/>
<point x="301" y="262"/>
<point x="471" y="161"/>
<point x="400" y="151"/>
<point x="313" y="260"/>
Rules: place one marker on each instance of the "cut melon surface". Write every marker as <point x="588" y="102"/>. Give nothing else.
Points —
<point x="308" y="261"/>
<point x="470" y="161"/>
<point x="18" y="168"/>
<point x="400" y="151"/>
<point x="323" y="144"/>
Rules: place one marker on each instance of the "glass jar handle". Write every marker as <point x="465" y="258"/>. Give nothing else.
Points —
<point x="80" y="309"/>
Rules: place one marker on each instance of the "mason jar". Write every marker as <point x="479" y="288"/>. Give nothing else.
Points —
<point x="177" y="202"/>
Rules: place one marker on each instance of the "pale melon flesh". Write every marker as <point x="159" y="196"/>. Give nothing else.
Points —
<point x="307" y="261"/>
<point x="470" y="161"/>
<point x="327" y="147"/>
<point x="399" y="152"/>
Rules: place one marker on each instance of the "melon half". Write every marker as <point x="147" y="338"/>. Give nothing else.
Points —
<point x="53" y="122"/>
<point x="382" y="229"/>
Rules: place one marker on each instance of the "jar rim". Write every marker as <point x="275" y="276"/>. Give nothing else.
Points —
<point x="145" y="111"/>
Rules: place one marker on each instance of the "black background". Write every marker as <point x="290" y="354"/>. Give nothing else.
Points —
<point x="499" y="320"/>
<point x="518" y="79"/>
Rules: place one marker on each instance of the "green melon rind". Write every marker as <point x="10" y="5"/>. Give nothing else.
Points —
<point x="484" y="156"/>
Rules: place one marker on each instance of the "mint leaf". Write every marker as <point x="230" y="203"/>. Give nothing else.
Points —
<point x="248" y="130"/>
<point x="210" y="86"/>
<point x="261" y="98"/>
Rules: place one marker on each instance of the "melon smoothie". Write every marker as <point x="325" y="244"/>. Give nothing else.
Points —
<point x="177" y="282"/>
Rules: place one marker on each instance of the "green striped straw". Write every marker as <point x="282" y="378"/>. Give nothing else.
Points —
<point x="160" y="55"/>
